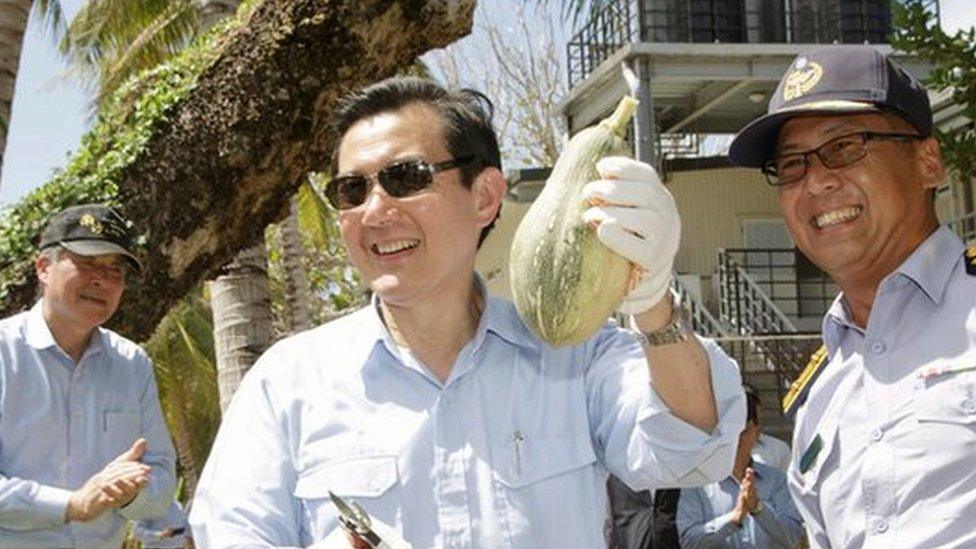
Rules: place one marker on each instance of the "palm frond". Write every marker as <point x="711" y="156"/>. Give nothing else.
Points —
<point x="111" y="40"/>
<point x="52" y="14"/>
<point x="315" y="218"/>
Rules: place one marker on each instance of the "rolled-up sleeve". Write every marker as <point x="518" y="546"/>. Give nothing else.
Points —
<point x="643" y="442"/>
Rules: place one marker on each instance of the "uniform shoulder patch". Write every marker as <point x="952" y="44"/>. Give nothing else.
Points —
<point x="797" y="394"/>
<point x="969" y="258"/>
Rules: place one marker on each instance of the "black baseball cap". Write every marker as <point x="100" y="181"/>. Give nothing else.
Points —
<point x="834" y="80"/>
<point x="91" y="229"/>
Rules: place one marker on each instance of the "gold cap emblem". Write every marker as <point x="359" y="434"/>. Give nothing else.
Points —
<point x="88" y="220"/>
<point x="801" y="79"/>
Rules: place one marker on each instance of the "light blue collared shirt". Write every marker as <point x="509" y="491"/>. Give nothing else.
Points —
<point x="894" y="413"/>
<point x="512" y="450"/>
<point x="61" y="422"/>
<point x="705" y="514"/>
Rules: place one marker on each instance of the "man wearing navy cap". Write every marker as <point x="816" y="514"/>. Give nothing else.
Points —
<point x="883" y="449"/>
<point x="83" y="445"/>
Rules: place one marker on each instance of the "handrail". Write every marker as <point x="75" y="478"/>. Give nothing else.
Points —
<point x="740" y="294"/>
<point x="702" y="321"/>
<point x="621" y="22"/>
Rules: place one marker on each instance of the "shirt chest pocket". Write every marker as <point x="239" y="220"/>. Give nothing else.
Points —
<point x="119" y="429"/>
<point x="522" y="461"/>
<point x="946" y="397"/>
<point x="368" y="479"/>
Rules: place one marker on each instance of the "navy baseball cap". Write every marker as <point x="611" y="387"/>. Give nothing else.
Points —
<point x="91" y="229"/>
<point x="834" y="80"/>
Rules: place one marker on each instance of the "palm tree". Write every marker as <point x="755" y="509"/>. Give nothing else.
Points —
<point x="14" y="15"/>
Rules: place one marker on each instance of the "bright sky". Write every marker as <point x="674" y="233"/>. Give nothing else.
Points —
<point x="49" y="113"/>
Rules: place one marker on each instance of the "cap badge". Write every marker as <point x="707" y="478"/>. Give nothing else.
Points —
<point x="88" y="220"/>
<point x="801" y="79"/>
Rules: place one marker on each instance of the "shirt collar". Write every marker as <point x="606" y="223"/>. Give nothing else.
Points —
<point x="929" y="267"/>
<point x="36" y="332"/>
<point x="931" y="264"/>
<point x="496" y="318"/>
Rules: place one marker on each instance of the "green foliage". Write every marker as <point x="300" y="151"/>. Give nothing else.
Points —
<point x="336" y="285"/>
<point x="954" y="57"/>
<point x="93" y="174"/>
<point x="182" y="351"/>
<point x="108" y="41"/>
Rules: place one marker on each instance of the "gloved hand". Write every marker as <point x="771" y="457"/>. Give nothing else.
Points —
<point x="636" y="217"/>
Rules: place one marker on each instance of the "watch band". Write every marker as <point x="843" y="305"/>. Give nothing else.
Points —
<point x="677" y="329"/>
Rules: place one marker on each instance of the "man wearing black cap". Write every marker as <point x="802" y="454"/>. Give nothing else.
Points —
<point x="884" y="440"/>
<point x="83" y="445"/>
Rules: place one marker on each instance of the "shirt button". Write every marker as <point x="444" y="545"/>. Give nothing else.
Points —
<point x="877" y="434"/>
<point x="882" y="527"/>
<point x="969" y="406"/>
<point x="878" y="347"/>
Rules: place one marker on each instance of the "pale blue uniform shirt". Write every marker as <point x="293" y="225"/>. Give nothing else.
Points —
<point x="705" y="514"/>
<point x="512" y="450"/>
<point x="894" y="414"/>
<point x="61" y="422"/>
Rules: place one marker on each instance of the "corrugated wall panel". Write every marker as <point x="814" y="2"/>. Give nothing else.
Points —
<point x="713" y="204"/>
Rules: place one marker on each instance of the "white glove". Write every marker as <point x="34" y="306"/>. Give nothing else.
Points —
<point x="636" y="217"/>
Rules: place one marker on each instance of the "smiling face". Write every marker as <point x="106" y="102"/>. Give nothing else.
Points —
<point x="81" y="291"/>
<point x="420" y="247"/>
<point x="864" y="219"/>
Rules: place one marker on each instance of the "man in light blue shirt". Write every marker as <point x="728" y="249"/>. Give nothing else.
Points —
<point x="83" y="446"/>
<point x="883" y="449"/>
<point x="750" y="508"/>
<point x="435" y="408"/>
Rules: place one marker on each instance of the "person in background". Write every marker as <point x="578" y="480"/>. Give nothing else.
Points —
<point x="170" y="531"/>
<point x="750" y="508"/>
<point x="83" y="445"/>
<point x="643" y="520"/>
<point x="768" y="449"/>
<point x="886" y="412"/>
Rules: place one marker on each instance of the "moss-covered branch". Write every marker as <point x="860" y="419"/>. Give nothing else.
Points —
<point x="204" y="152"/>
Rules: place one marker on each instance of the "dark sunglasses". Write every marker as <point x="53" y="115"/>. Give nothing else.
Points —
<point x="399" y="179"/>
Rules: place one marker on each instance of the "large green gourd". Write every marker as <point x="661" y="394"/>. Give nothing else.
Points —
<point x="564" y="281"/>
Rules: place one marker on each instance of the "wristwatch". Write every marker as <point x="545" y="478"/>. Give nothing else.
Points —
<point x="758" y="509"/>
<point x="678" y="329"/>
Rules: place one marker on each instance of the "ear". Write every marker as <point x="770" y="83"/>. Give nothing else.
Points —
<point x="42" y="266"/>
<point x="929" y="163"/>
<point x="488" y="189"/>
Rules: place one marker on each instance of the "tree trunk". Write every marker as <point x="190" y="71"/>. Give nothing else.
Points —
<point x="222" y="161"/>
<point x="242" y="318"/>
<point x="298" y="295"/>
<point x="13" y="23"/>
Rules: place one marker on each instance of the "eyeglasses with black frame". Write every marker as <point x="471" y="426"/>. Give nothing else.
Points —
<point x="838" y="152"/>
<point x="399" y="180"/>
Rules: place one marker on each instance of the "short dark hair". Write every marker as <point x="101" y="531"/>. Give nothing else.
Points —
<point x="752" y="403"/>
<point x="466" y="114"/>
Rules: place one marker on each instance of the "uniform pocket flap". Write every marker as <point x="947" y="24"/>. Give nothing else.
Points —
<point x="363" y="476"/>
<point x="947" y="398"/>
<point x="522" y="461"/>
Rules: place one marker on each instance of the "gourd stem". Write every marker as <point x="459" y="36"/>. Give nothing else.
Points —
<point x="617" y="122"/>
